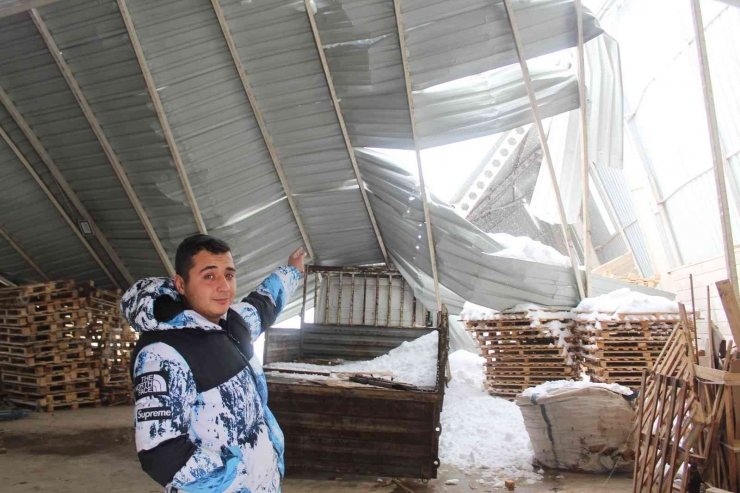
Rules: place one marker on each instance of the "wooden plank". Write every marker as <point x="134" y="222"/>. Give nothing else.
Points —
<point x="713" y="375"/>
<point x="710" y="331"/>
<point x="732" y="309"/>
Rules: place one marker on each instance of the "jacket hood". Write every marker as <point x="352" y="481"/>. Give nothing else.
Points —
<point x="137" y="305"/>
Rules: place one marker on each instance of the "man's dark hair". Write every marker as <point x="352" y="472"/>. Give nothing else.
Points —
<point x="191" y="246"/>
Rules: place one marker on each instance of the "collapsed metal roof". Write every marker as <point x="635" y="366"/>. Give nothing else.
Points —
<point x="148" y="122"/>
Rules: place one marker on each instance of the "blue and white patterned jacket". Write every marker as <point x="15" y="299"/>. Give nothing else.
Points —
<point x="202" y="421"/>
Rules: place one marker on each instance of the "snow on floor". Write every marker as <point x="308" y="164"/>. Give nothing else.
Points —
<point x="525" y="248"/>
<point x="550" y="387"/>
<point x="481" y="432"/>
<point x="413" y="362"/>
<point x="624" y="302"/>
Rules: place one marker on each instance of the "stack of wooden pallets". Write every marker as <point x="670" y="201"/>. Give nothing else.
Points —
<point x="113" y="341"/>
<point x="617" y="348"/>
<point x="45" y="355"/>
<point x="524" y="348"/>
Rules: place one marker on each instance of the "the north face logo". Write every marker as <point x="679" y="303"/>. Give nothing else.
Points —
<point x="151" y="384"/>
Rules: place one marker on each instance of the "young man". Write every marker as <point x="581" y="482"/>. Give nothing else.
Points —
<point x="202" y="421"/>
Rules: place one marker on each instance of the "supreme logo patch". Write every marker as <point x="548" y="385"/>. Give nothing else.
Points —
<point x="154" y="413"/>
<point x="151" y="384"/>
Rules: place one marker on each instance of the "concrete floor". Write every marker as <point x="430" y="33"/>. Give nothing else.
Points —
<point x="92" y="450"/>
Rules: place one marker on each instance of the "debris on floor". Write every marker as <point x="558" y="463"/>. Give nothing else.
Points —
<point x="694" y="405"/>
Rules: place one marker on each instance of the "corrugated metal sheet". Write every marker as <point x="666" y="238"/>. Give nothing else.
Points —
<point x="446" y="41"/>
<point x="276" y="46"/>
<point x="225" y="155"/>
<point x="618" y="193"/>
<point x="32" y="80"/>
<point x="13" y="267"/>
<point x="465" y="263"/>
<point x="233" y="179"/>
<point x="93" y="40"/>
<point x="450" y="40"/>
<point x="492" y="102"/>
<point x="608" y="245"/>
<point x="31" y="219"/>
<point x="640" y="251"/>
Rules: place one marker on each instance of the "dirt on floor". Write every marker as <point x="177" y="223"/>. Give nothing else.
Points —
<point x="92" y="450"/>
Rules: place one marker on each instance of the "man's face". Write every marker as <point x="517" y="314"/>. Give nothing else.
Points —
<point x="211" y="284"/>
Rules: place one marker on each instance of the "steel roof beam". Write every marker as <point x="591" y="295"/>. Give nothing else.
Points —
<point x="414" y="130"/>
<point x="65" y="186"/>
<point x="7" y="282"/>
<point x="583" y="107"/>
<point x="159" y="109"/>
<point x="13" y="7"/>
<point x="262" y="126"/>
<point x="102" y="139"/>
<point x="59" y="207"/>
<point x="343" y="126"/>
<point x="545" y="147"/>
<point x="21" y="252"/>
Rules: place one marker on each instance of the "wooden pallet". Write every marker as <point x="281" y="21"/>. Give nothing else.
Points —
<point x="75" y="334"/>
<point x="13" y="311"/>
<point x="528" y="367"/>
<point x="533" y="359"/>
<point x="55" y="358"/>
<point x="41" y="391"/>
<point x="492" y="379"/>
<point x="53" y="368"/>
<point x="65" y="376"/>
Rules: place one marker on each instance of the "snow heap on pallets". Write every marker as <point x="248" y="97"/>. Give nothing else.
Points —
<point x="523" y="347"/>
<point x="622" y="333"/>
<point x="54" y="344"/>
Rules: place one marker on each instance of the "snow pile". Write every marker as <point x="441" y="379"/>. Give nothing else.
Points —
<point x="540" y="315"/>
<point x="471" y="312"/>
<point x="624" y="302"/>
<point x="480" y="431"/>
<point x="413" y="362"/>
<point x="563" y="334"/>
<point x="525" y="248"/>
<point x="549" y="388"/>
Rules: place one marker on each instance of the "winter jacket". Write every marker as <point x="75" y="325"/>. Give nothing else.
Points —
<point x="202" y="421"/>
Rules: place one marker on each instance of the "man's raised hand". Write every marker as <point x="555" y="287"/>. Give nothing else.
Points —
<point x="297" y="258"/>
